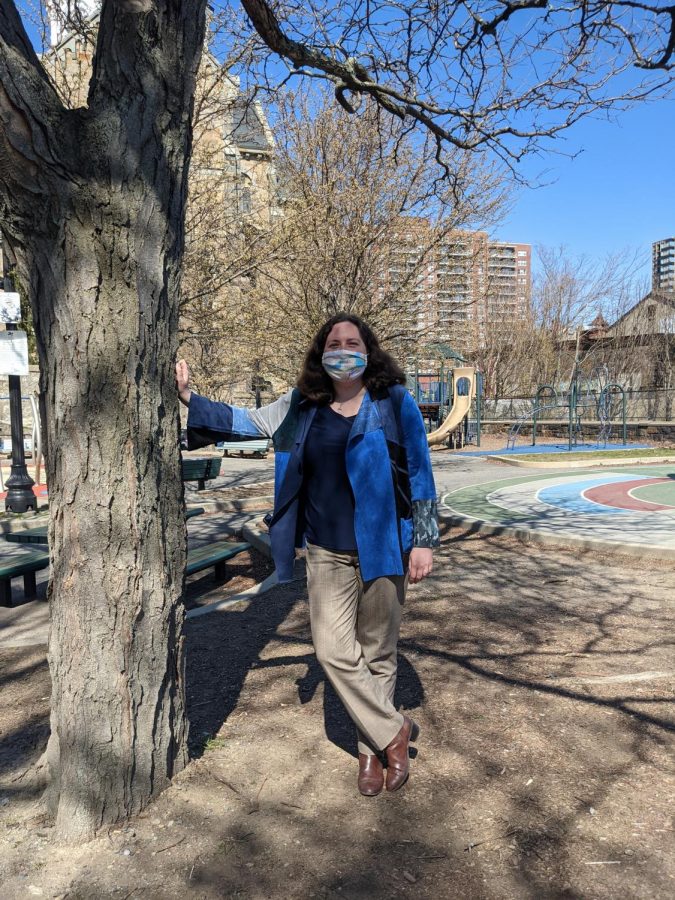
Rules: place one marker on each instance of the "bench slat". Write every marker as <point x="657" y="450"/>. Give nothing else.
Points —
<point x="200" y="468"/>
<point x="192" y="469"/>
<point x="261" y="444"/>
<point x="19" y="564"/>
<point x="209" y="555"/>
<point x="37" y="535"/>
<point x="256" y="447"/>
<point x="31" y="561"/>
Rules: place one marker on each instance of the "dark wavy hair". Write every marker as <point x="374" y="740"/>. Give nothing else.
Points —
<point x="382" y="370"/>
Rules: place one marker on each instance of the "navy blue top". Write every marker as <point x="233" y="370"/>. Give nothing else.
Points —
<point x="327" y="493"/>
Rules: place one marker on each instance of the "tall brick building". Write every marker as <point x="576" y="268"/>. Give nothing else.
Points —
<point x="509" y="282"/>
<point x="461" y="286"/>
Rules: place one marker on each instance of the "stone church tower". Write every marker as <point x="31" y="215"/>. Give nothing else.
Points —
<point x="232" y="138"/>
<point x="233" y="197"/>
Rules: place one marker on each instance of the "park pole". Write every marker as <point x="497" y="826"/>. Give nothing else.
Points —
<point x="478" y="382"/>
<point x="20" y="497"/>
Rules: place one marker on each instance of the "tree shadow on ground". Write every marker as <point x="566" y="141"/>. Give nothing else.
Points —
<point x="217" y="669"/>
<point x="338" y="726"/>
<point x="540" y="775"/>
<point x="529" y="776"/>
<point x="24" y="715"/>
<point x="537" y="759"/>
<point x="221" y="653"/>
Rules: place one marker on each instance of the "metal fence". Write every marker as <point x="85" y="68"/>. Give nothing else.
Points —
<point x="656" y="405"/>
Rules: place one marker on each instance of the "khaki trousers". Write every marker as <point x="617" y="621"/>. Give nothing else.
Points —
<point x="355" y="627"/>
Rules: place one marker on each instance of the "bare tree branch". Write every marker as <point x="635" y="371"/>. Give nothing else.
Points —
<point x="13" y="35"/>
<point x="31" y="115"/>
<point x="501" y="75"/>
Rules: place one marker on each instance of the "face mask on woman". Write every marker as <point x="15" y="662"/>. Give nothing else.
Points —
<point x="344" y="365"/>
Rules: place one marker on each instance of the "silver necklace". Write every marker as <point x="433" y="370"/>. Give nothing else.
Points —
<point x="340" y="403"/>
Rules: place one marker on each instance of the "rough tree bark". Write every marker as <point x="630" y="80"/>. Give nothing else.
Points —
<point x="92" y="203"/>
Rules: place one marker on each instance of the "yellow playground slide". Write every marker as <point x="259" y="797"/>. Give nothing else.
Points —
<point x="464" y="390"/>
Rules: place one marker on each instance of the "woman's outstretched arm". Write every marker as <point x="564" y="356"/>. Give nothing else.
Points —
<point x="210" y="421"/>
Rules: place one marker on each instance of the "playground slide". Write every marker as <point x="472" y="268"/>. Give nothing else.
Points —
<point x="464" y="381"/>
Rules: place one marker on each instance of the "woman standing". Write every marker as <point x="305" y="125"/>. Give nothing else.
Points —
<point x="353" y="483"/>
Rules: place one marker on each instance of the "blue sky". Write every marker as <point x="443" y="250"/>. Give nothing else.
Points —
<point x="617" y="194"/>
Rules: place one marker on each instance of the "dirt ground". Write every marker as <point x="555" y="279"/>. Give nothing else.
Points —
<point x="243" y="571"/>
<point x="543" y="681"/>
<point x="237" y="492"/>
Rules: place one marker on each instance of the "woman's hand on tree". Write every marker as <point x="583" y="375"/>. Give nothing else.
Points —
<point x="421" y="563"/>
<point x="183" y="381"/>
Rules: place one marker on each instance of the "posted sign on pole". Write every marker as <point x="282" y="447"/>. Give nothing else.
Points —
<point x="10" y="307"/>
<point x="13" y="353"/>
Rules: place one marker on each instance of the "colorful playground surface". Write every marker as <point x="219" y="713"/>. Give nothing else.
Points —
<point x="561" y="447"/>
<point x="628" y="510"/>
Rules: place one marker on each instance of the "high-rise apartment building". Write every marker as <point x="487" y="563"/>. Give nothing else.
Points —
<point x="460" y="286"/>
<point x="509" y="281"/>
<point x="663" y="265"/>
<point x="435" y="281"/>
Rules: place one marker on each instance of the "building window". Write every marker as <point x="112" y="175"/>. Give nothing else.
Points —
<point x="246" y="204"/>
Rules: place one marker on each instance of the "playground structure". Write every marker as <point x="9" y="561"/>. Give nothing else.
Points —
<point x="464" y="393"/>
<point x="594" y="393"/>
<point x="445" y="398"/>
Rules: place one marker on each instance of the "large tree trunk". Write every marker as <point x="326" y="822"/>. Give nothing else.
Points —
<point x="99" y="252"/>
<point x="117" y="531"/>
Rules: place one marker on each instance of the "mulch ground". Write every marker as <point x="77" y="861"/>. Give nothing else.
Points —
<point x="542" y="679"/>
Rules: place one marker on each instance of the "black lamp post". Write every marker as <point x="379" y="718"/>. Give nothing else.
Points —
<point x="20" y="497"/>
<point x="257" y="383"/>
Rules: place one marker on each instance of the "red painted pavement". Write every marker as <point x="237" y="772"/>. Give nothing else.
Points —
<point x="617" y="495"/>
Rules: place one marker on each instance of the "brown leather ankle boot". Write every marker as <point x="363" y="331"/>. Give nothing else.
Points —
<point x="398" y="762"/>
<point x="371" y="775"/>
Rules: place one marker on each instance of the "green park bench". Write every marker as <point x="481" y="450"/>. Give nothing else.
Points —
<point x="200" y="469"/>
<point x="257" y="448"/>
<point x="38" y="535"/>
<point x="26" y="564"/>
<point x="208" y="556"/>
<point x="213" y="555"/>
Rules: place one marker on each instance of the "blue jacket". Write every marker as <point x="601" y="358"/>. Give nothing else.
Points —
<point x="388" y="466"/>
